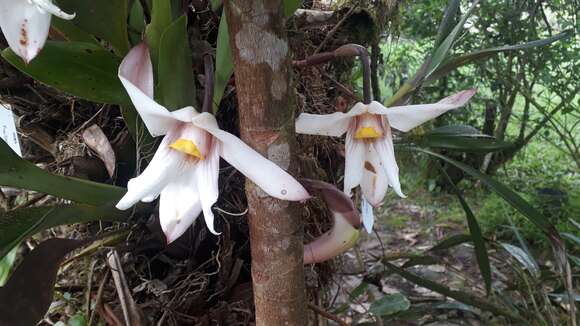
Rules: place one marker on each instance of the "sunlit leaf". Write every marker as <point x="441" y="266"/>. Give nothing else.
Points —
<point x="80" y="69"/>
<point x="19" y="173"/>
<point x="6" y="264"/>
<point x="105" y="19"/>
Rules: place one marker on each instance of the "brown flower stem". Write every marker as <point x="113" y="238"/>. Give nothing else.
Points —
<point x="345" y="51"/>
<point x="265" y="93"/>
<point x="327" y="314"/>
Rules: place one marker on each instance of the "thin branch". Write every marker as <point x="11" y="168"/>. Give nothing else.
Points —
<point x="326" y="314"/>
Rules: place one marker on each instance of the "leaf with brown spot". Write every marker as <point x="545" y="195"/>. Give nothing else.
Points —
<point x="95" y="138"/>
<point x="29" y="290"/>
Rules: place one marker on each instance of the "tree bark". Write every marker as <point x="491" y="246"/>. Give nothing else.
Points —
<point x="262" y="68"/>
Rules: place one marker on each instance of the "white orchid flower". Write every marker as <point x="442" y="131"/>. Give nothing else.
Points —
<point x="370" y="154"/>
<point x="184" y="170"/>
<point x="25" y="24"/>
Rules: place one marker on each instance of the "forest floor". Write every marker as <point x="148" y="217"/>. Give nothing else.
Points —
<point x="406" y="232"/>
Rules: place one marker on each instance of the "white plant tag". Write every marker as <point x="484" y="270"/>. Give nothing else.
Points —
<point x="8" y="128"/>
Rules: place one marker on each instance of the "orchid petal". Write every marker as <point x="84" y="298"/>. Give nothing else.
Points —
<point x="48" y="6"/>
<point x="339" y="239"/>
<point x="336" y="201"/>
<point x="266" y="174"/>
<point x="354" y="162"/>
<point x="405" y="118"/>
<point x="386" y="153"/>
<point x="368" y="216"/>
<point x="374" y="181"/>
<point x="136" y="74"/>
<point x="179" y="206"/>
<point x="24" y="26"/>
<point x="206" y="177"/>
<point x="165" y="164"/>
<point x="335" y="124"/>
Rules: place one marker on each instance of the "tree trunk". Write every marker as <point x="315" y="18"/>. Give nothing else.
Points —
<point x="265" y="99"/>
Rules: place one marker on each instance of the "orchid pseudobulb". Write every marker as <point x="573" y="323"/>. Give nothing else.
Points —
<point x="370" y="154"/>
<point x="184" y="170"/>
<point x="25" y="24"/>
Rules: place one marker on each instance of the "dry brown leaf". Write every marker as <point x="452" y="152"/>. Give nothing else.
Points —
<point x="95" y="138"/>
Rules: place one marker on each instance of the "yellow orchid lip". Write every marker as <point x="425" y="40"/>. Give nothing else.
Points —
<point x="367" y="133"/>
<point x="188" y="147"/>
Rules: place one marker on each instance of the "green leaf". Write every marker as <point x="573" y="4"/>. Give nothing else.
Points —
<point x="503" y="191"/>
<point x="161" y="18"/>
<point x="31" y="287"/>
<point x="19" y="173"/>
<point x="224" y="62"/>
<point x="451" y="241"/>
<point x="290" y="7"/>
<point x="390" y="304"/>
<point x="459" y="138"/>
<point x="105" y="19"/>
<point x="455" y="62"/>
<point x="6" y="264"/>
<point x="460" y="296"/>
<point x="136" y="23"/>
<point x="71" y="32"/>
<point x="17" y="225"/>
<point x="573" y="238"/>
<point x="442" y="50"/>
<point x="476" y="236"/>
<point x="215" y="4"/>
<point x="523" y="258"/>
<point x="448" y="21"/>
<point x="80" y="69"/>
<point x="176" y="85"/>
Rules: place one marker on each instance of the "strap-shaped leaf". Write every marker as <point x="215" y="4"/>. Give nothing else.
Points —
<point x="459" y="138"/>
<point x="448" y="21"/>
<point x="476" y="236"/>
<point x="176" y="85"/>
<point x="105" y="19"/>
<point x="455" y="62"/>
<point x="29" y="291"/>
<point x="80" y="69"/>
<point x="510" y="196"/>
<point x="161" y="18"/>
<point x="17" y="225"/>
<point x="19" y="173"/>
<point x="224" y="62"/>
<point x="442" y="50"/>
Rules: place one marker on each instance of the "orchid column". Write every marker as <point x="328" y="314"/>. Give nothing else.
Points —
<point x="262" y="68"/>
